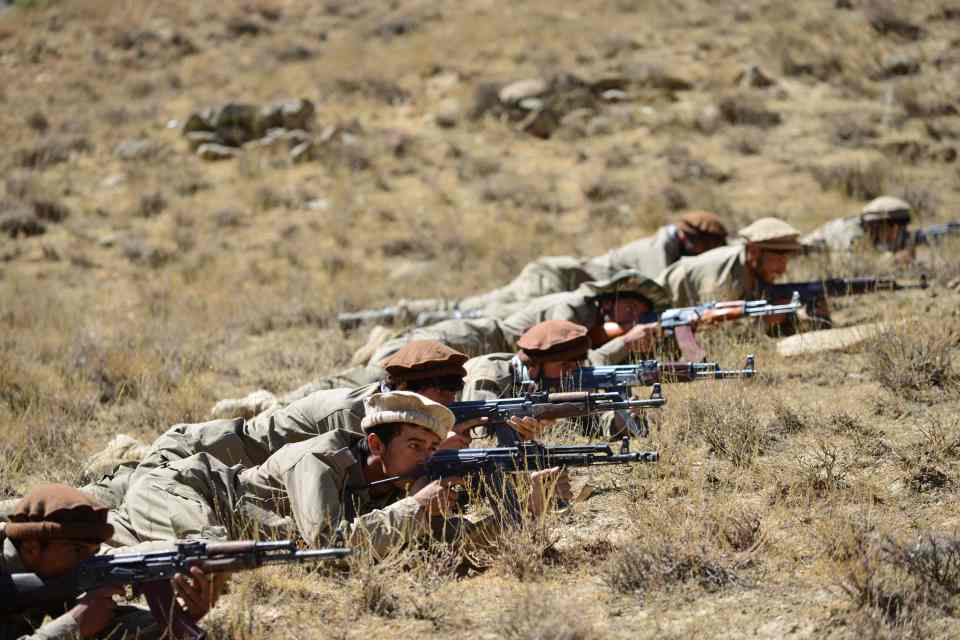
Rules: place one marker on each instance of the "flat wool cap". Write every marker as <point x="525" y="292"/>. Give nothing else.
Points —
<point x="555" y="341"/>
<point x="630" y="282"/>
<point x="771" y="233"/>
<point x="419" y="359"/>
<point x="58" y="512"/>
<point x="886" y="209"/>
<point x="703" y="223"/>
<point x="406" y="407"/>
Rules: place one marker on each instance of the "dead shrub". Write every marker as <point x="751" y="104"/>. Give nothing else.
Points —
<point x="749" y="111"/>
<point x="729" y="426"/>
<point x="904" y="586"/>
<point x="915" y="364"/>
<point x="864" y="181"/>
<point x="886" y="18"/>
<point x="50" y="153"/>
<point x="534" y="615"/>
<point x="638" y="570"/>
<point x="924" y="460"/>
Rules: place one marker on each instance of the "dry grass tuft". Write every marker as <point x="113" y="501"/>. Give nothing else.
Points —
<point x="915" y="365"/>
<point x="640" y="569"/>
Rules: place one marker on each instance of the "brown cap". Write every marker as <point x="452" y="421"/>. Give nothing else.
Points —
<point x="555" y="341"/>
<point x="702" y="223"/>
<point x="772" y="234"/>
<point x="406" y="407"/>
<point x="58" y="512"/>
<point x="419" y="359"/>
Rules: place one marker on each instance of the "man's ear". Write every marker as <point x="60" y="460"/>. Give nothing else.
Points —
<point x="753" y="254"/>
<point x="376" y="445"/>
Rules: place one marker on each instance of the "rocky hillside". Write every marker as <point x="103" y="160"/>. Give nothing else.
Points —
<point x="192" y="190"/>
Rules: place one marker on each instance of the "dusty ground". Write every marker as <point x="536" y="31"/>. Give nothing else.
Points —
<point x="162" y="283"/>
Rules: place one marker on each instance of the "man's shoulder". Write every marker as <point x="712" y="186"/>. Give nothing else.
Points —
<point x="708" y="259"/>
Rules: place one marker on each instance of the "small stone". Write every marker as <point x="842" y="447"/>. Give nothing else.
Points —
<point x="114" y="181"/>
<point x="137" y="149"/>
<point x="303" y="152"/>
<point x="517" y="91"/>
<point x="898" y="65"/>
<point x="531" y="104"/>
<point x="197" y="138"/>
<point x="614" y="95"/>
<point x="449" y="113"/>
<point x="754" y="77"/>
<point x="213" y="152"/>
<point x="317" y="204"/>
<point x="708" y="120"/>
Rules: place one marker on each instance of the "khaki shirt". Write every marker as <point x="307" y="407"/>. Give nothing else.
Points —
<point x="29" y="626"/>
<point x="491" y="377"/>
<point x="251" y="442"/>
<point x="719" y="274"/>
<point x="842" y="234"/>
<point x="473" y="337"/>
<point x="315" y="482"/>
<point x="649" y="256"/>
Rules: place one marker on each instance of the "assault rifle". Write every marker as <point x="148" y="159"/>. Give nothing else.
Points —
<point x="935" y="233"/>
<point x="544" y="405"/>
<point x="681" y="321"/>
<point x="621" y="377"/>
<point x="486" y="469"/>
<point x="151" y="573"/>
<point x="813" y="291"/>
<point x="404" y="312"/>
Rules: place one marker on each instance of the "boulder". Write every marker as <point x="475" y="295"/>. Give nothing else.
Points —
<point x="213" y="152"/>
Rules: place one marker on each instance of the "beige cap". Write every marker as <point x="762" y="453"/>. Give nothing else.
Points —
<point x="409" y="408"/>
<point x="771" y="233"/>
<point x="886" y="208"/>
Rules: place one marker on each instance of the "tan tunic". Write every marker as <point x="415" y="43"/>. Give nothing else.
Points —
<point x="303" y="486"/>
<point x="245" y="442"/>
<point x="557" y="274"/>
<point x="842" y="234"/>
<point x="649" y="256"/>
<point x="719" y="274"/>
<point x="499" y="332"/>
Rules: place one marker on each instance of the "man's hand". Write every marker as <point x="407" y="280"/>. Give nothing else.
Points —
<point x="95" y="611"/>
<point x="437" y="497"/>
<point x="546" y="485"/>
<point x="198" y="592"/>
<point x="460" y="436"/>
<point x="642" y="337"/>
<point x="529" y="428"/>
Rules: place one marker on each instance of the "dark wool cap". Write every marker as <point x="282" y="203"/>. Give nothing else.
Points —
<point x="58" y="512"/>
<point x="421" y="359"/>
<point x="555" y="341"/>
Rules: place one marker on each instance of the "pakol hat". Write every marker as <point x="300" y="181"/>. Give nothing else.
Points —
<point x="419" y="359"/>
<point x="554" y="341"/>
<point x="701" y="223"/>
<point x="886" y="209"/>
<point x="630" y="283"/>
<point x="406" y="407"/>
<point x="772" y="234"/>
<point x="59" y="512"/>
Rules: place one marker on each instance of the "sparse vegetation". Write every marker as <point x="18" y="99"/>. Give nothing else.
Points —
<point x="140" y="284"/>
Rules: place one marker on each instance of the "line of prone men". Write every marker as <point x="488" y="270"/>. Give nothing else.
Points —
<point x="302" y="465"/>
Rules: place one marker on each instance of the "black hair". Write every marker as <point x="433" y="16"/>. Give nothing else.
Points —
<point x="386" y="433"/>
